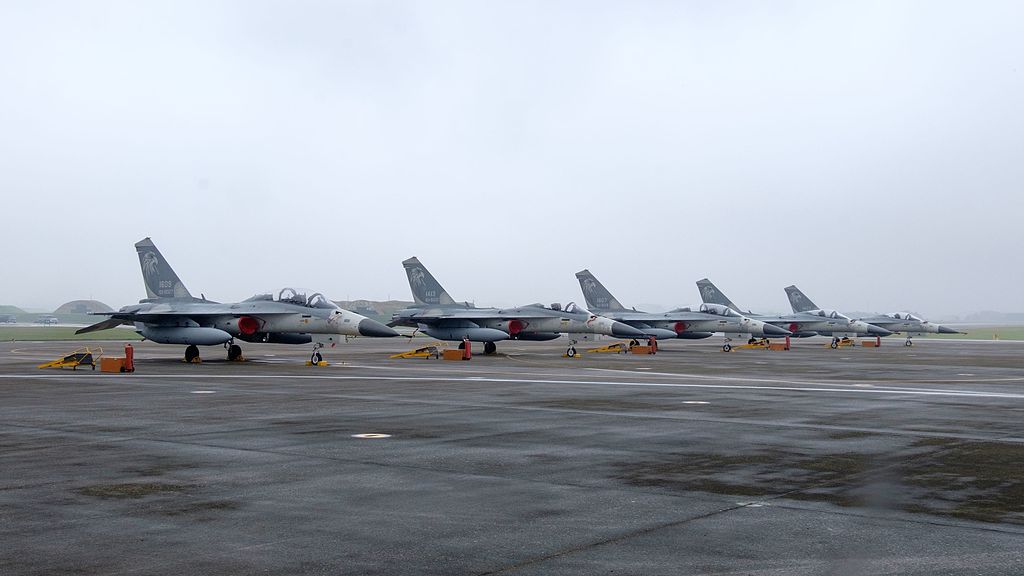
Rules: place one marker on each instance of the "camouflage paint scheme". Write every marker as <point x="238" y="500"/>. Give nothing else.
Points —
<point x="687" y="323"/>
<point x="171" y="315"/>
<point x="439" y="315"/>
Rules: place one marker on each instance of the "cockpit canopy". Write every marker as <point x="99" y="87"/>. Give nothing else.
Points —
<point x="718" y="310"/>
<point x="905" y="316"/>
<point x="713" y="309"/>
<point x="297" y="296"/>
<point x="830" y="314"/>
<point x="570" y="308"/>
<point x="574" y="308"/>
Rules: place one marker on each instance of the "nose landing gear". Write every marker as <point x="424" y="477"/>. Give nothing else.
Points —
<point x="316" y="359"/>
<point x="570" y="352"/>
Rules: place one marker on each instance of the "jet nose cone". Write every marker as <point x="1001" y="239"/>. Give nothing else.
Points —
<point x="773" y="330"/>
<point x="878" y="331"/>
<point x="620" y="330"/>
<point x="948" y="330"/>
<point x="375" y="329"/>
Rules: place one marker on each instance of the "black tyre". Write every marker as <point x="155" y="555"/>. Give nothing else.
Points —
<point x="571" y="352"/>
<point x="316" y="358"/>
<point x="834" y="344"/>
<point x="234" y="352"/>
<point x="727" y="347"/>
<point x="462" y="345"/>
<point x="191" y="353"/>
<point x="490" y="347"/>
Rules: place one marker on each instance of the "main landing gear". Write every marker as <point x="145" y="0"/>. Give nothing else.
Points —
<point x="192" y="354"/>
<point x="490" y="347"/>
<point x="234" y="352"/>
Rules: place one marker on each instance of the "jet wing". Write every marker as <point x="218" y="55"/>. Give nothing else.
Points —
<point x="683" y="316"/>
<point x="103" y="325"/>
<point x="458" y="316"/>
<point x="164" y="312"/>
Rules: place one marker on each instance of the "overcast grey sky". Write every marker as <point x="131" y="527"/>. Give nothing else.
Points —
<point x="870" y="152"/>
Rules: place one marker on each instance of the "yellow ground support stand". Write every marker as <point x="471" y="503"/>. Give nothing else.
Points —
<point x="423" y="352"/>
<point x="841" y="343"/>
<point x="616" y="348"/>
<point x="762" y="343"/>
<point x="80" y="357"/>
<point x="320" y="363"/>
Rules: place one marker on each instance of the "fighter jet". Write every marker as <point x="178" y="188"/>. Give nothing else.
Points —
<point x="171" y="315"/>
<point x="801" y="324"/>
<point x="687" y="323"/>
<point x="438" y="315"/>
<point x="894" y="322"/>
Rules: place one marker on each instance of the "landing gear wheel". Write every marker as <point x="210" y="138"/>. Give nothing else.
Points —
<point x="191" y="353"/>
<point x="571" y="352"/>
<point x="316" y="358"/>
<point x="634" y="342"/>
<point x="726" y="347"/>
<point x="234" y="352"/>
<point x="462" y="345"/>
<point x="834" y="344"/>
<point x="490" y="347"/>
<point x="909" y="342"/>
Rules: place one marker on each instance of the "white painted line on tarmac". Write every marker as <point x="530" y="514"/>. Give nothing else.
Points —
<point x="686" y="376"/>
<point x="203" y="392"/>
<point x="808" y="386"/>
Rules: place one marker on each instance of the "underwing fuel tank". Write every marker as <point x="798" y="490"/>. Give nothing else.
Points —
<point x="278" y="337"/>
<point x="537" y="336"/>
<point x="198" y="335"/>
<point x="694" y="335"/>
<point x="474" y="334"/>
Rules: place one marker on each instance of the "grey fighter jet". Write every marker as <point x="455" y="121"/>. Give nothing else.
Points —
<point x="171" y="315"/>
<point x="895" y="322"/>
<point x="801" y="324"/>
<point x="687" y="323"/>
<point x="437" y="314"/>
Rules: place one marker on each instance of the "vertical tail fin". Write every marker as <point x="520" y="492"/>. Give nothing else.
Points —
<point x="798" y="300"/>
<point x="425" y="289"/>
<point x="161" y="281"/>
<point x="597" y="296"/>
<point x="710" y="294"/>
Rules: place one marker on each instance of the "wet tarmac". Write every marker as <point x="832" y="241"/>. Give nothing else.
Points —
<point x="693" y="461"/>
